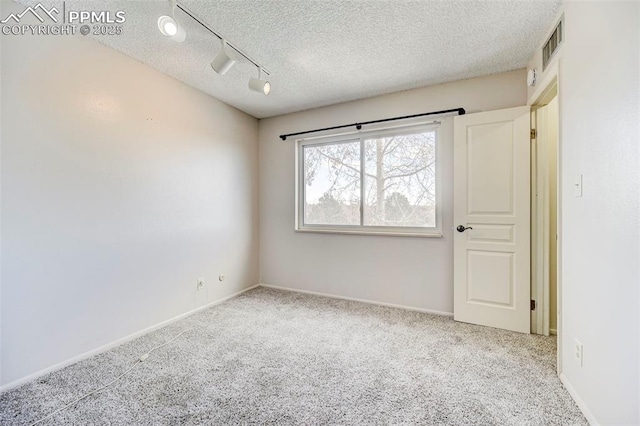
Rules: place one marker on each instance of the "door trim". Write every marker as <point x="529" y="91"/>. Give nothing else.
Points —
<point x="551" y="86"/>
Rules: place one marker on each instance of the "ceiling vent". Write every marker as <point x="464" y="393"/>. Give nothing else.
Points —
<point x="552" y="44"/>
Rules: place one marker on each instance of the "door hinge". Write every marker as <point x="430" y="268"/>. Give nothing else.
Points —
<point x="533" y="305"/>
<point x="533" y="133"/>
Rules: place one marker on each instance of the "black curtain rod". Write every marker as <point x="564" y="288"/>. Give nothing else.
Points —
<point x="358" y="126"/>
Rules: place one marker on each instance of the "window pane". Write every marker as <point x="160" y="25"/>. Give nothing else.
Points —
<point x="332" y="184"/>
<point x="400" y="180"/>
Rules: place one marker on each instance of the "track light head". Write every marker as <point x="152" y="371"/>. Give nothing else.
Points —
<point x="259" y="86"/>
<point x="170" y="28"/>
<point x="167" y="26"/>
<point x="224" y="60"/>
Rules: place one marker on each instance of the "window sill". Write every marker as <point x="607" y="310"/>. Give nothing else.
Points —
<point x="372" y="233"/>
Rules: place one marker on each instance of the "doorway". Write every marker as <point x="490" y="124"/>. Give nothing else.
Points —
<point x="544" y="213"/>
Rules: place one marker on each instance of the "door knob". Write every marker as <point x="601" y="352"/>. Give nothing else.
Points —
<point x="462" y="228"/>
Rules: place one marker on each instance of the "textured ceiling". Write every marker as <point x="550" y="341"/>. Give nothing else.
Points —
<point x="322" y="52"/>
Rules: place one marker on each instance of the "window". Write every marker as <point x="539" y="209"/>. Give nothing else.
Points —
<point x="383" y="182"/>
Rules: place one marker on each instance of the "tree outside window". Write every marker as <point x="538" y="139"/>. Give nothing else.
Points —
<point x="392" y="178"/>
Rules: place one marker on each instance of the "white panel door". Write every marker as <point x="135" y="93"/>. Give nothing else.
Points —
<point x="491" y="200"/>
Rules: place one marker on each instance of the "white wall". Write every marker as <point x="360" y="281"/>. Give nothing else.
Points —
<point x="416" y="272"/>
<point x="599" y="94"/>
<point x="120" y="187"/>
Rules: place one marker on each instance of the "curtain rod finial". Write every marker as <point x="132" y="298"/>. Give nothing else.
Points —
<point x="283" y="137"/>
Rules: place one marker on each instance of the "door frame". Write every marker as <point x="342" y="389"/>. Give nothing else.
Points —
<point x="549" y="88"/>
<point x="540" y="220"/>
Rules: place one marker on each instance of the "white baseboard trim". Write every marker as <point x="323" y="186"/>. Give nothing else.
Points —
<point x="579" y="402"/>
<point x="115" y="343"/>
<point x="353" y="299"/>
<point x="553" y="332"/>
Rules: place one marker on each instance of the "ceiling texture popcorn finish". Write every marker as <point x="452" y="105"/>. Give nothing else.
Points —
<point x="322" y="52"/>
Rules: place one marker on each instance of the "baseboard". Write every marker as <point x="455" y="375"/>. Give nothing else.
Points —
<point x="115" y="343"/>
<point x="579" y="402"/>
<point x="353" y="299"/>
<point x="553" y="332"/>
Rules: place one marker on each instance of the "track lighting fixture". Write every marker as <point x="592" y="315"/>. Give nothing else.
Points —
<point x="169" y="27"/>
<point x="259" y="85"/>
<point x="224" y="60"/>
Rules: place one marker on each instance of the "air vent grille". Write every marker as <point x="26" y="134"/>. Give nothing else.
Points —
<point x="552" y="44"/>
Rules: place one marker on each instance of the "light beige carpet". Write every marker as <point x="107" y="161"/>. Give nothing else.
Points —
<point x="274" y="357"/>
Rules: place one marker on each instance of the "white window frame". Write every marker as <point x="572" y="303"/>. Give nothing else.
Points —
<point x="300" y="187"/>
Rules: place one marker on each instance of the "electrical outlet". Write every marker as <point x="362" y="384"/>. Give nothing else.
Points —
<point x="578" y="352"/>
<point x="200" y="284"/>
